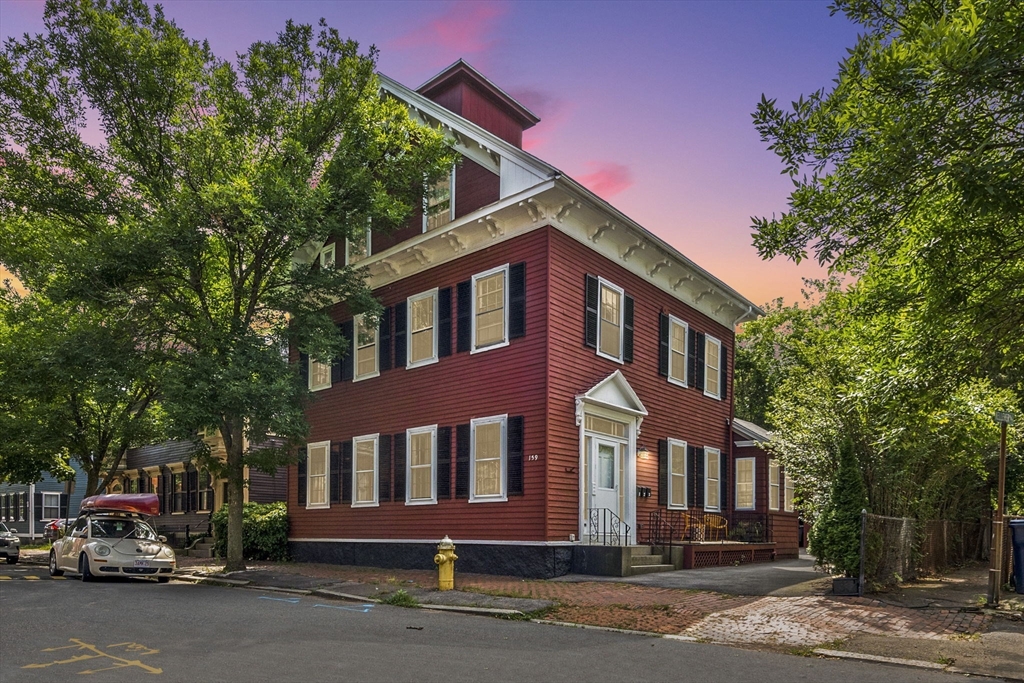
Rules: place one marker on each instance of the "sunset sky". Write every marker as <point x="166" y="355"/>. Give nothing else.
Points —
<point x="647" y="104"/>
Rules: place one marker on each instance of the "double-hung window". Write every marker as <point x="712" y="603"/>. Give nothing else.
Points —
<point x="178" y="490"/>
<point x="51" y="505"/>
<point x="319" y="375"/>
<point x="422" y="315"/>
<point x="744" y="483"/>
<point x="677" y="335"/>
<point x="773" y="484"/>
<point x="357" y="248"/>
<point x="712" y="367"/>
<point x="364" y="470"/>
<point x="487" y="458"/>
<point x="366" y="350"/>
<point x="327" y="256"/>
<point x="317" y="455"/>
<point x="490" y="309"/>
<point x="677" y="474"/>
<point x="789" y="491"/>
<point x="439" y="204"/>
<point x="421" y="482"/>
<point x="205" y="491"/>
<point x="609" y="328"/>
<point x="712" y="478"/>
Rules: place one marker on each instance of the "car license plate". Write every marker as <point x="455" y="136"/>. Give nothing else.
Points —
<point x="141" y="563"/>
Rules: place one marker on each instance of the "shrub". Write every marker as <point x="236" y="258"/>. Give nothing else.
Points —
<point x="835" y="536"/>
<point x="264" y="531"/>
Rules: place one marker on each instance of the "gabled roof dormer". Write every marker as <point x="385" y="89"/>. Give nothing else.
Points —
<point x="465" y="91"/>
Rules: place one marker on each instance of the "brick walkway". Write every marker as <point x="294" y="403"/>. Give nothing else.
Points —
<point x="799" y="621"/>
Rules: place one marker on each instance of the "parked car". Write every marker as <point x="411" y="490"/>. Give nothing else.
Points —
<point x="112" y="538"/>
<point x="56" y="528"/>
<point x="10" y="545"/>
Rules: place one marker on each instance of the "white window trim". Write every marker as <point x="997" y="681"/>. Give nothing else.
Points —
<point x="774" y="465"/>
<point x="686" y="475"/>
<point x="708" y="338"/>
<point x="43" y="511"/>
<point x="504" y="290"/>
<point x="788" y="501"/>
<point x="432" y="430"/>
<point x="348" y="245"/>
<point x="753" y="484"/>
<point x="375" y="438"/>
<point x="718" y="482"/>
<point x="601" y="282"/>
<point x="503" y="496"/>
<point x="328" y="249"/>
<point x="409" y="364"/>
<point x="327" y="475"/>
<point x="672" y="320"/>
<point x="310" y="375"/>
<point x="451" y="200"/>
<point x="356" y="377"/>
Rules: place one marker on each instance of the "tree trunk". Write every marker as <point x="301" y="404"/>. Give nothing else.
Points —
<point x="236" y="484"/>
<point x="92" y="482"/>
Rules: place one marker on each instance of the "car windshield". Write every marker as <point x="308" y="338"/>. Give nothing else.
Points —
<point x="122" y="528"/>
<point x="3" y="528"/>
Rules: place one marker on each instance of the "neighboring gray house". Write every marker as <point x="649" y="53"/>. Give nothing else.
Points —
<point x="27" y="507"/>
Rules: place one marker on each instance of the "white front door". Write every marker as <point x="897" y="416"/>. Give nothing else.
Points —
<point x="605" y="484"/>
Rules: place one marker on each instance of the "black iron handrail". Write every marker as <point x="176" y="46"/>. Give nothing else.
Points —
<point x="659" y="531"/>
<point x="606" y="528"/>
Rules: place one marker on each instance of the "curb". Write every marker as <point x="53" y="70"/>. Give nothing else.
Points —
<point x="912" y="663"/>
<point x="466" y="609"/>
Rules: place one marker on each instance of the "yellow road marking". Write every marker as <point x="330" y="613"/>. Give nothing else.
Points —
<point x="31" y="578"/>
<point x="58" y="578"/>
<point x="119" y="662"/>
<point x="5" y="578"/>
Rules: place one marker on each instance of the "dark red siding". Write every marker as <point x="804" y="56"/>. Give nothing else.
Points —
<point x="456" y="389"/>
<point x="674" y="411"/>
<point x="475" y="187"/>
<point x="464" y="100"/>
<point x="783" y="526"/>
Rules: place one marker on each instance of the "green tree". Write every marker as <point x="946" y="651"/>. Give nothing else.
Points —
<point x="213" y="188"/>
<point x="908" y="173"/>
<point x="835" y="536"/>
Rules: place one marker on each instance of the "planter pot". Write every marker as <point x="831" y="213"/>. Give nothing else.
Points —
<point x="844" y="586"/>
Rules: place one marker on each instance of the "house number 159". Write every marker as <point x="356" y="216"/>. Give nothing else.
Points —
<point x="531" y="458"/>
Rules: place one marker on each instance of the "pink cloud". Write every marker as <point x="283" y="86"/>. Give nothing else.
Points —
<point x="465" y="28"/>
<point x="552" y="110"/>
<point x="607" y="178"/>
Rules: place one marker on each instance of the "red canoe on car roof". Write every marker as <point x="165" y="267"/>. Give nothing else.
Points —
<point x="141" y="503"/>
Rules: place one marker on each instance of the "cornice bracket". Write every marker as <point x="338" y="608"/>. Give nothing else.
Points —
<point x="659" y="266"/>
<point x="632" y="249"/>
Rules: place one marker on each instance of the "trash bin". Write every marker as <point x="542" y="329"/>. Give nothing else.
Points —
<point x="1017" y="540"/>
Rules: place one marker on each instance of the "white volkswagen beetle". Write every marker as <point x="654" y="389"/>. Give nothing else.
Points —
<point x="112" y="538"/>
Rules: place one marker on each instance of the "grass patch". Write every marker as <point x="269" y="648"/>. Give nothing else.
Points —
<point x="966" y="636"/>
<point x="400" y="598"/>
<point x="808" y="650"/>
<point x="946" y="661"/>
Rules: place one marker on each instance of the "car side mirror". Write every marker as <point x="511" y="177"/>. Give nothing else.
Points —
<point x="12" y="529"/>
<point x="162" y="539"/>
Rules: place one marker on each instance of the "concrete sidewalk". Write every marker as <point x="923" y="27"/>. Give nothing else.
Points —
<point x="922" y="625"/>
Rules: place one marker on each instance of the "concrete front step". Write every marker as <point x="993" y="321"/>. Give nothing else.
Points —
<point x="197" y="552"/>
<point x="645" y="559"/>
<point x="650" y="568"/>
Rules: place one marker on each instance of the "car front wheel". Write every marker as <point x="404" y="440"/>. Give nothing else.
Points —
<point x="54" y="570"/>
<point x="83" y="568"/>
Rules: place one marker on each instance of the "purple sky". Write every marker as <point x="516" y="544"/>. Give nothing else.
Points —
<point x="647" y="104"/>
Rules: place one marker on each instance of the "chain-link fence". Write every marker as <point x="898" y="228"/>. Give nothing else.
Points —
<point x="889" y="551"/>
<point x="946" y="544"/>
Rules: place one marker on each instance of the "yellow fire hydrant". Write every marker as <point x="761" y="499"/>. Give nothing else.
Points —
<point x="445" y="561"/>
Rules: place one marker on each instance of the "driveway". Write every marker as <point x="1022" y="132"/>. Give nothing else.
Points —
<point x="780" y="578"/>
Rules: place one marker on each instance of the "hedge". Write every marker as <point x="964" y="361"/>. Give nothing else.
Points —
<point x="264" y="531"/>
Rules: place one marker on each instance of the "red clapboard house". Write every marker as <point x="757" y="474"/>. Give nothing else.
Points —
<point x="550" y="384"/>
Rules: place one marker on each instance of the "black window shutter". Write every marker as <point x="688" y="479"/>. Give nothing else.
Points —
<point x="384" y="340"/>
<point x="515" y="455"/>
<point x="444" y="322"/>
<point x="627" y="328"/>
<point x="698" y="366"/>
<point x="336" y="368"/>
<point x="63" y="505"/>
<point x="697" y="464"/>
<point x="162" y="482"/>
<point x="590" y="312"/>
<point x="723" y="371"/>
<point x="304" y="369"/>
<point x="335" y="473"/>
<point x="723" y="481"/>
<point x="662" y="471"/>
<point x="663" y="344"/>
<point x="301" y="479"/>
<point x="346" y="360"/>
<point x="401" y="339"/>
<point x="517" y="300"/>
<point x="384" y="468"/>
<point x="346" y="472"/>
<point x="462" y="461"/>
<point x="38" y="499"/>
<point x="464" y="315"/>
<point x="191" y="484"/>
<point x="398" y="446"/>
<point x="444" y="463"/>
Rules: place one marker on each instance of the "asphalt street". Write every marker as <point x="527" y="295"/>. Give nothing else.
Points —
<point x="126" y="630"/>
